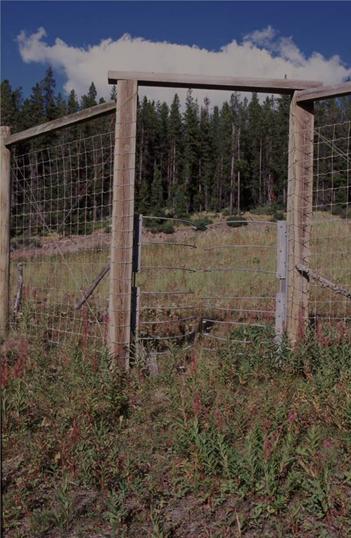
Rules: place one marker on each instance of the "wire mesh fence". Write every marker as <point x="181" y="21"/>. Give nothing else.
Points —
<point x="196" y="284"/>
<point x="60" y="234"/>
<point x="330" y="310"/>
<point x="207" y="284"/>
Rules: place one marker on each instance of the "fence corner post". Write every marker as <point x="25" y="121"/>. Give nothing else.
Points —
<point x="120" y="295"/>
<point x="5" y="157"/>
<point x="299" y="216"/>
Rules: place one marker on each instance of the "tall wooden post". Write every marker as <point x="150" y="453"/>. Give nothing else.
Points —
<point x="122" y="222"/>
<point x="4" y="232"/>
<point x="299" y="216"/>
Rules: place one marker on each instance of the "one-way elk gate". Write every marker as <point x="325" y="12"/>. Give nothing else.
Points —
<point x="68" y="228"/>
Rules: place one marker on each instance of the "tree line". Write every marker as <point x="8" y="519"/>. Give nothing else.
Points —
<point x="191" y="157"/>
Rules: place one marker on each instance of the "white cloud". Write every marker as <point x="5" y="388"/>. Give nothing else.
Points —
<point x="262" y="53"/>
<point x="262" y="37"/>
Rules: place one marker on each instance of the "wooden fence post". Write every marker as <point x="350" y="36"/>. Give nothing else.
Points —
<point x="5" y="156"/>
<point x="122" y="222"/>
<point x="299" y="215"/>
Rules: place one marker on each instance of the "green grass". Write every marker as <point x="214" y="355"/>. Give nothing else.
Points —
<point x="246" y="442"/>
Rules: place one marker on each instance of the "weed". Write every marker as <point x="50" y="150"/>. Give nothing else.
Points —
<point x="267" y="436"/>
<point x="116" y="510"/>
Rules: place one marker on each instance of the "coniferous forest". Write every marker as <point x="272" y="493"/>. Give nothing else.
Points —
<point x="191" y="156"/>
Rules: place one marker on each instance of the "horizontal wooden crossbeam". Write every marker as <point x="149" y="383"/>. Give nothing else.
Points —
<point x="323" y="92"/>
<point x="207" y="82"/>
<point x="60" y="123"/>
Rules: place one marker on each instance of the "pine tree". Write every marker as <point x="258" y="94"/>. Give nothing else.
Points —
<point x="163" y="144"/>
<point x="72" y="103"/>
<point x="33" y="112"/>
<point x="147" y="129"/>
<point x="61" y="105"/>
<point x="191" y="150"/>
<point x="89" y="99"/>
<point x="253" y="150"/>
<point x="157" y="203"/>
<point x="48" y="85"/>
<point x="11" y="102"/>
<point x="206" y="158"/>
<point x="279" y="152"/>
<point x="217" y="141"/>
<point x="175" y="150"/>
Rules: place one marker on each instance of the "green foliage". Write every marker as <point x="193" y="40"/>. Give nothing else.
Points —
<point x="264" y="431"/>
<point x="159" y="226"/>
<point x="278" y="215"/>
<point x="213" y="451"/>
<point x="91" y="98"/>
<point x="202" y="223"/>
<point x="116" y="510"/>
<point x="60" y="514"/>
<point x="157" y="190"/>
<point x="271" y="209"/>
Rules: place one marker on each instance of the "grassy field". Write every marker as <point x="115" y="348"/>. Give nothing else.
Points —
<point x="246" y="443"/>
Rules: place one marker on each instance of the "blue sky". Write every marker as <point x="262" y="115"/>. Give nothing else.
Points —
<point x="322" y="27"/>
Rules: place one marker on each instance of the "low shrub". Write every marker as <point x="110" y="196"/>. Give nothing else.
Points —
<point x="266" y="209"/>
<point x="236" y="221"/>
<point x="201" y="224"/>
<point x="23" y="241"/>
<point x="278" y="215"/>
<point x="164" y="227"/>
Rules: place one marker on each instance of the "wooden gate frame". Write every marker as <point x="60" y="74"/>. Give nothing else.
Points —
<point x="300" y="179"/>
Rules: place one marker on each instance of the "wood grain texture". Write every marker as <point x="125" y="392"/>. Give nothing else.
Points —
<point x="5" y="158"/>
<point x="122" y="223"/>
<point x="299" y="216"/>
<point x="208" y="82"/>
<point x="323" y="92"/>
<point x="78" y="117"/>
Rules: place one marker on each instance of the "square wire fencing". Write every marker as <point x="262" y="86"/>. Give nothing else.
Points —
<point x="61" y="204"/>
<point x="330" y="275"/>
<point x="208" y="283"/>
